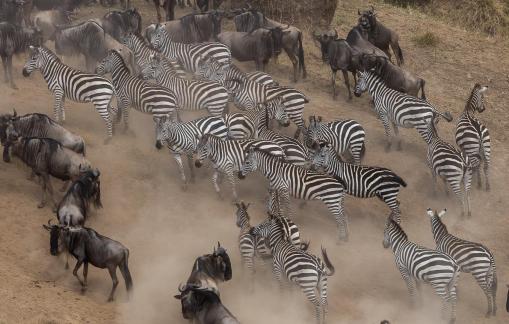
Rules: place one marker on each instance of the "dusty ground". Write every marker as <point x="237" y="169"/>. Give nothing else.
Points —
<point x="165" y="228"/>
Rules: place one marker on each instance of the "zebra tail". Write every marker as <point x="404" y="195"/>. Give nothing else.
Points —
<point x="454" y="280"/>
<point x="491" y="276"/>
<point x="328" y="264"/>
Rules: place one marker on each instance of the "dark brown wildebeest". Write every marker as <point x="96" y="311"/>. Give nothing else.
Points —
<point x="379" y="35"/>
<point x="12" y="11"/>
<point x="258" y="46"/>
<point x="14" y="40"/>
<point x="203" y="305"/>
<point x="358" y="40"/>
<point x="46" y="21"/>
<point x="120" y="23"/>
<point x="249" y="20"/>
<point x="169" y="9"/>
<point x="204" y="5"/>
<point x="394" y="76"/>
<point x="88" y="246"/>
<point x="340" y="56"/>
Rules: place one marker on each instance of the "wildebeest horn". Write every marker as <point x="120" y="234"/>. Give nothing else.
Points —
<point x="14" y="113"/>
<point x="358" y="12"/>
<point x="182" y="287"/>
<point x="49" y="222"/>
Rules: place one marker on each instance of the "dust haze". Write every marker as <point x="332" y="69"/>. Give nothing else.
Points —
<point x="166" y="228"/>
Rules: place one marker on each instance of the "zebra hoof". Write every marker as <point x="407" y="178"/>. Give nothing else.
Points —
<point x="41" y="205"/>
<point x="107" y="141"/>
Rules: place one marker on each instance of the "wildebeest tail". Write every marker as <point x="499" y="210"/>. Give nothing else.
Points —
<point x="302" y="66"/>
<point x="399" y="53"/>
<point x="124" y="269"/>
<point x="328" y="264"/>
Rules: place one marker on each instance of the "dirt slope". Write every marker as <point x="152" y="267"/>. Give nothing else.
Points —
<point x="165" y="228"/>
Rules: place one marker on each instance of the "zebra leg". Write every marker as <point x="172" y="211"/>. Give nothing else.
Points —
<point x="347" y="83"/>
<point x="337" y="210"/>
<point x="311" y="296"/>
<point x="396" y="134"/>
<point x="479" y="181"/>
<point x="6" y="73"/>
<point x="215" y="176"/>
<point x="486" y="166"/>
<point x="125" y="116"/>
<point x="44" y="179"/>
<point x="467" y="180"/>
<point x="178" y="159"/>
<point x="231" y="179"/>
<point x="322" y="288"/>
<point x="191" y="166"/>
<point x="103" y="111"/>
<point x="333" y="77"/>
<point x="57" y="107"/>
<point x="387" y="129"/>
<point x="410" y="284"/>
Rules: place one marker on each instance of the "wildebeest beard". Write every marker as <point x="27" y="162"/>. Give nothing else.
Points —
<point x="53" y="239"/>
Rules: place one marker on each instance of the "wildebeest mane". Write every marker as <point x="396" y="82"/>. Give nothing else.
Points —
<point x="38" y="150"/>
<point x="249" y="21"/>
<point x="190" y="22"/>
<point x="84" y="190"/>
<point x="33" y="125"/>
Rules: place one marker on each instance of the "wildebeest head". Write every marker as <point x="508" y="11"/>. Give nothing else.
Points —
<point x="324" y="39"/>
<point x="54" y="232"/>
<point x="192" y="298"/>
<point x="277" y="34"/>
<point x="367" y="19"/>
<point x="91" y="186"/>
<point x="222" y="261"/>
<point x="34" y="61"/>
<point x="8" y="135"/>
<point x="133" y="20"/>
<point x="372" y="62"/>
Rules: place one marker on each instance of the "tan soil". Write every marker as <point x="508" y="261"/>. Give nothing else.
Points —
<point x="165" y="228"/>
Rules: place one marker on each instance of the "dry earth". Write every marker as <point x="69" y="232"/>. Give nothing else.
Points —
<point x="165" y="228"/>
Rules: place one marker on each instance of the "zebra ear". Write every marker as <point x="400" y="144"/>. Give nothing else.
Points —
<point x="442" y="213"/>
<point x="430" y="212"/>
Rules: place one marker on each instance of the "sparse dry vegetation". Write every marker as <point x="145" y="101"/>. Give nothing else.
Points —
<point x="427" y="39"/>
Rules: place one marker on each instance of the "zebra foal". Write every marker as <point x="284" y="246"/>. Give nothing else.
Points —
<point x="418" y="264"/>
<point x="290" y="262"/>
<point x="472" y="258"/>
<point x="66" y="82"/>
<point x="472" y="136"/>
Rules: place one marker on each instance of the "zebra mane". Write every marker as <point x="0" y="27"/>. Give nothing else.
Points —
<point x="468" y="105"/>
<point x="49" y="53"/>
<point x="398" y="228"/>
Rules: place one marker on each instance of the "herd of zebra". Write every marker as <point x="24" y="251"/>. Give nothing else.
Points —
<point x="325" y="165"/>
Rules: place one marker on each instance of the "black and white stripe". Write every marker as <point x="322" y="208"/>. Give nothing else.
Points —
<point x="418" y="264"/>
<point x="362" y="181"/>
<point x="131" y="91"/>
<point x="472" y="136"/>
<point x="292" y="180"/>
<point x="295" y="152"/>
<point x="228" y="156"/>
<point x="68" y="83"/>
<point x="142" y="52"/>
<point x="454" y="167"/>
<point x="472" y="258"/>
<point x="344" y="135"/>
<point x="398" y="109"/>
<point x="189" y="55"/>
<point x="298" y="266"/>
<point x="240" y="126"/>
<point x="191" y="95"/>
<point x="183" y="138"/>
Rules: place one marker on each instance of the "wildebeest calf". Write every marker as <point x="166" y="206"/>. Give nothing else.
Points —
<point x="14" y="40"/>
<point x="88" y="246"/>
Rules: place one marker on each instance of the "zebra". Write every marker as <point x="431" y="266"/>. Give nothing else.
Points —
<point x="472" y="136"/>
<point x="228" y="156"/>
<point x="295" y="152"/>
<point x="308" y="271"/>
<point x="454" y="167"/>
<point x="249" y="94"/>
<point x="240" y="126"/>
<point x="66" y="82"/>
<point x="211" y="69"/>
<point x="399" y="109"/>
<point x="251" y="245"/>
<point x="190" y="94"/>
<point x="183" y="138"/>
<point x="472" y="258"/>
<point x="131" y="91"/>
<point x="343" y="135"/>
<point x="142" y="52"/>
<point x="417" y="263"/>
<point x="189" y="54"/>
<point x="292" y="180"/>
<point x="362" y="181"/>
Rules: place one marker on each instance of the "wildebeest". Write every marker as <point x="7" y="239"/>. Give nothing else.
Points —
<point x="393" y="76"/>
<point x="73" y="208"/>
<point x="291" y="39"/>
<point x="192" y="28"/>
<point x="46" y="157"/>
<point x="203" y="305"/>
<point x="169" y="9"/>
<point x="11" y="11"/>
<point x="358" y="40"/>
<point x="204" y="5"/>
<point x="209" y="269"/>
<point x="379" y="35"/>
<point x="40" y="125"/>
<point x="340" y="56"/>
<point x="258" y="46"/>
<point x="90" y="40"/>
<point x="14" y="40"/>
<point x="47" y="20"/>
<point x="119" y="23"/>
<point x="88" y="246"/>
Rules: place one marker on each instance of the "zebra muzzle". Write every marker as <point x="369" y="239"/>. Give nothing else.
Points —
<point x="198" y="163"/>
<point x="25" y="73"/>
<point x="159" y="145"/>
<point x="240" y="175"/>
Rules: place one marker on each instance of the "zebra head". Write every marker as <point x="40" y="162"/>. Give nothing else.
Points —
<point x="202" y="150"/>
<point x="322" y="155"/>
<point x="393" y="234"/>
<point x="161" y="127"/>
<point x="107" y="64"/>
<point x="204" y="70"/>
<point x="276" y="110"/>
<point x="242" y="217"/>
<point x="476" y="100"/>
<point x="158" y="37"/>
<point x="314" y="131"/>
<point x="438" y="228"/>
<point x="152" y="69"/>
<point x="362" y="83"/>
<point x="217" y="71"/>
<point x="250" y="164"/>
<point x="34" y="61"/>
<point x="129" y="41"/>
